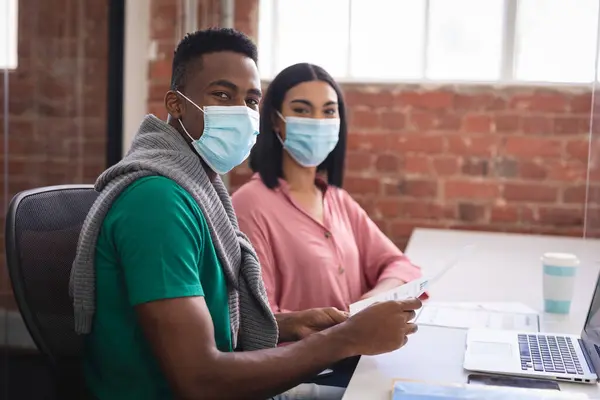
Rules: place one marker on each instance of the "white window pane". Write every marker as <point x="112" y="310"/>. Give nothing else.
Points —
<point x="556" y="40"/>
<point x="376" y="25"/>
<point x="8" y="33"/>
<point x="265" y="38"/>
<point x="465" y="39"/>
<point x="314" y="31"/>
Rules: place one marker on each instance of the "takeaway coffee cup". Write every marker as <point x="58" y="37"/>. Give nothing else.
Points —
<point x="559" y="281"/>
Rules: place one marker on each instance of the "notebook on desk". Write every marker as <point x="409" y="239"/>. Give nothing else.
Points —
<point x="413" y="390"/>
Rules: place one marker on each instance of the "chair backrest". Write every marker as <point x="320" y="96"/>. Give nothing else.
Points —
<point x="42" y="230"/>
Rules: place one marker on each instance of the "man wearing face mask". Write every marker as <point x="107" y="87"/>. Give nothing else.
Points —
<point x="167" y="289"/>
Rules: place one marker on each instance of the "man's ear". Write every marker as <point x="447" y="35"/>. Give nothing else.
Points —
<point x="175" y="107"/>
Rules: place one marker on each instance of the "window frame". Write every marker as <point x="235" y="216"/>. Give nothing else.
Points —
<point x="507" y="57"/>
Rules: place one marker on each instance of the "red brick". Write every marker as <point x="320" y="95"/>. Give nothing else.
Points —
<point x="157" y="92"/>
<point x="419" y="143"/>
<point x="476" y="123"/>
<point x="160" y="70"/>
<point x="533" y="170"/>
<point x="247" y="11"/>
<point x="572" y="125"/>
<point x="393" y="120"/>
<point x="419" y="209"/>
<point x="504" y="213"/>
<point x="446" y="165"/>
<point x="356" y="95"/>
<point x="366" y="203"/>
<point x="432" y="120"/>
<point x="561" y="217"/>
<point x="416" y="164"/>
<point x="581" y="103"/>
<point x="578" y="193"/>
<point x="376" y="142"/>
<point x="479" y="101"/>
<point x="470" y="212"/>
<point x="578" y="149"/>
<point x="360" y="185"/>
<point x="529" y="192"/>
<point x="429" y="100"/>
<point x="359" y="160"/>
<point x="544" y="102"/>
<point x="386" y="208"/>
<point x="361" y="119"/>
<point x="387" y="163"/>
<point x="507" y="123"/>
<point x="475" y="167"/>
<point x="535" y="124"/>
<point x="575" y="194"/>
<point x="472" y="145"/>
<point x="525" y="146"/>
<point x="567" y="171"/>
<point x="417" y="187"/>
<point x="469" y="190"/>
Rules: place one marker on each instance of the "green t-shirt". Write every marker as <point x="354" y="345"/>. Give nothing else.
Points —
<point x="154" y="244"/>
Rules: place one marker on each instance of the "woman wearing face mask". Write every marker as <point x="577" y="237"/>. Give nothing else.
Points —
<point x="316" y="245"/>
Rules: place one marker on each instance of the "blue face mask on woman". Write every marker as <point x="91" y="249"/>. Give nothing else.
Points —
<point x="229" y="134"/>
<point x="310" y="140"/>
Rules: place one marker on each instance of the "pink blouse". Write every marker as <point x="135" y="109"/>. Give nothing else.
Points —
<point x="307" y="264"/>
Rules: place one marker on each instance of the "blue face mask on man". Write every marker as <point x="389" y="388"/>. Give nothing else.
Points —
<point x="310" y="140"/>
<point x="229" y="134"/>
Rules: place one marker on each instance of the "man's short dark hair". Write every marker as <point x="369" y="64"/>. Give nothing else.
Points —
<point x="195" y="45"/>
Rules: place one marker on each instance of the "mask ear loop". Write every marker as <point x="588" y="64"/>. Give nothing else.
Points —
<point x="277" y="133"/>
<point x="179" y="119"/>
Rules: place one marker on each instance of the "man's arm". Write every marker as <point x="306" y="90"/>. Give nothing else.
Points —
<point x="296" y="325"/>
<point x="181" y="333"/>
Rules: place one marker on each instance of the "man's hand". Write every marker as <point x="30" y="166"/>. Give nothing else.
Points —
<point x="380" y="328"/>
<point x="294" y="326"/>
<point x="383" y="286"/>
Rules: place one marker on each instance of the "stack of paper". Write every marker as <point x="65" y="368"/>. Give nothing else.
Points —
<point x="504" y="316"/>
<point x="414" y="288"/>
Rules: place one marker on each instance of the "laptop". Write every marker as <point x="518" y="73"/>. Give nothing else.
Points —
<point x="542" y="355"/>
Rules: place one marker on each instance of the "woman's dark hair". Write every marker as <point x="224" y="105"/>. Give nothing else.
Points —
<point x="266" y="155"/>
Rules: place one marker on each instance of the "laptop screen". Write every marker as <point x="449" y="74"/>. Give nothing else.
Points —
<point x="591" y="329"/>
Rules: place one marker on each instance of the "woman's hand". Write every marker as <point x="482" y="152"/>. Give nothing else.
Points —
<point x="294" y="326"/>
<point x="383" y="286"/>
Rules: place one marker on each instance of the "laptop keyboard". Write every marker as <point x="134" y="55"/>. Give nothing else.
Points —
<point x="555" y="354"/>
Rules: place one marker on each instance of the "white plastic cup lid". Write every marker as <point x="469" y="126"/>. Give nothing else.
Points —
<point x="560" y="259"/>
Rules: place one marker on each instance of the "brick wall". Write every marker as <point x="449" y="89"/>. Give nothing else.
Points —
<point x="465" y="157"/>
<point x="57" y="100"/>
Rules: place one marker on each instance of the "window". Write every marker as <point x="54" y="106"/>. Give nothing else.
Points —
<point x="556" y="40"/>
<point x="387" y="45"/>
<point x="8" y="34"/>
<point x="440" y="40"/>
<point x="465" y="39"/>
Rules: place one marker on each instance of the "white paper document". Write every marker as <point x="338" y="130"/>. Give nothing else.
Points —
<point x="414" y="288"/>
<point x="478" y="315"/>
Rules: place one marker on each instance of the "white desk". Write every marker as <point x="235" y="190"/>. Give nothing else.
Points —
<point x="502" y="268"/>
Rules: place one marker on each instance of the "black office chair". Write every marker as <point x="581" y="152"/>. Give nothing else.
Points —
<point x="42" y="230"/>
